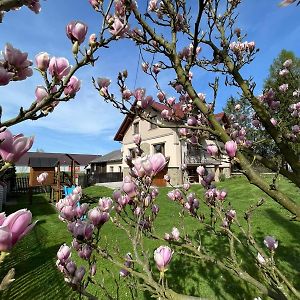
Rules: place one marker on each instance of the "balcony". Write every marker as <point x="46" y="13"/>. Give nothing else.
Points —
<point x="196" y="156"/>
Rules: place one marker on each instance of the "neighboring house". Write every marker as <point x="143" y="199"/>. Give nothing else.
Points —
<point x="168" y="142"/>
<point x="106" y="168"/>
<point x="81" y="161"/>
<point x="108" y="163"/>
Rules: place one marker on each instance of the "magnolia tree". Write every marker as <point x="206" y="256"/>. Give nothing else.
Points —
<point x="163" y="29"/>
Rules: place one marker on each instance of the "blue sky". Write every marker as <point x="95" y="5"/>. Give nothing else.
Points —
<point x="87" y="124"/>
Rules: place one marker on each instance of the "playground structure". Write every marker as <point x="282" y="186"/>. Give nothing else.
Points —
<point x="56" y="180"/>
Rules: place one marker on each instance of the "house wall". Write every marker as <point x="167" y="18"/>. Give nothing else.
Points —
<point x="63" y="168"/>
<point x="174" y="149"/>
<point x="223" y="166"/>
<point x="150" y="137"/>
<point x="116" y="167"/>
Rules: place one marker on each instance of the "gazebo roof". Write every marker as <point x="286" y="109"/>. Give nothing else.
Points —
<point x="43" y="162"/>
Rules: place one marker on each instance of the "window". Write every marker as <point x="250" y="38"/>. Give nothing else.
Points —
<point x="120" y="169"/>
<point x="132" y="153"/>
<point x="154" y="120"/>
<point x="136" y="128"/>
<point x="111" y="169"/>
<point x="159" y="148"/>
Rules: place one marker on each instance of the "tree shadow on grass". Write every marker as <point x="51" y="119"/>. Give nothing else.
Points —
<point x="40" y="205"/>
<point x="287" y="255"/>
<point x="36" y="275"/>
<point x="194" y="277"/>
<point x="34" y="261"/>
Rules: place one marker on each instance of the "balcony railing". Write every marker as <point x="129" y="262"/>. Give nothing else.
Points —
<point x="200" y="159"/>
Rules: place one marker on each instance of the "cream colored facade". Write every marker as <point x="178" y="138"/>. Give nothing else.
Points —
<point x="114" y="167"/>
<point x="174" y="149"/>
<point x="151" y="137"/>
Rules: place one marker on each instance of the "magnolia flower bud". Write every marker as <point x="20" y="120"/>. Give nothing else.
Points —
<point x="42" y="61"/>
<point x="162" y="257"/>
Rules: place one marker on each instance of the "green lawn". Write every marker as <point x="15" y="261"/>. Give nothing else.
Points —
<point x="34" y="257"/>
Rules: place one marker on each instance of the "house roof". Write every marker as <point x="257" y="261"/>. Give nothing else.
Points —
<point x="115" y="155"/>
<point x="63" y="158"/>
<point x="159" y="107"/>
<point x="42" y="162"/>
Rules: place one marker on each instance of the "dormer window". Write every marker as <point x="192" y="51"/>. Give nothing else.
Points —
<point x="136" y="128"/>
<point x="153" y="123"/>
<point x="159" y="148"/>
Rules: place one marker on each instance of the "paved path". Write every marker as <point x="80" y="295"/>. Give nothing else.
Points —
<point x="111" y="185"/>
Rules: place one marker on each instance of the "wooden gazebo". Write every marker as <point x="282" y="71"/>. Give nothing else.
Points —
<point x="39" y="165"/>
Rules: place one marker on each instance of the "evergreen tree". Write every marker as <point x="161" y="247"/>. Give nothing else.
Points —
<point x="277" y="78"/>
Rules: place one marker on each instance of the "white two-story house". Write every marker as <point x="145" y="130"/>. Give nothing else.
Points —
<point x="168" y="142"/>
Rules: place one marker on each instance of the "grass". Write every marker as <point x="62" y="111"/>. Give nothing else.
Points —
<point x="34" y="257"/>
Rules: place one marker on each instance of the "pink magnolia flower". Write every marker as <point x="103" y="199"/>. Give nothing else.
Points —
<point x="137" y="139"/>
<point x="59" y="67"/>
<point x="40" y="93"/>
<point x="161" y="96"/>
<point x="42" y="177"/>
<point x="212" y="149"/>
<point x="155" y="209"/>
<point x="171" y="101"/>
<point x="95" y="4"/>
<point x="126" y="94"/>
<point x="14" y="147"/>
<point x="118" y="28"/>
<point x="273" y="121"/>
<point x="230" y="215"/>
<point x="98" y="217"/>
<point x="166" y="114"/>
<point x="152" y="5"/>
<point x="186" y="186"/>
<point x="105" y="204"/>
<point x="167" y="178"/>
<point x="201" y="96"/>
<point x="260" y="259"/>
<point x="92" y="39"/>
<point x="284" y="87"/>
<point x="139" y="94"/>
<point x="146" y="102"/>
<point x="156" y="68"/>
<point x="183" y="131"/>
<point x="5" y="76"/>
<point x="17" y="62"/>
<point x="288" y="63"/>
<point x="145" y="67"/>
<point x="73" y="86"/>
<point x="103" y="82"/>
<point x="191" y="121"/>
<point x="81" y="229"/>
<point x="42" y="61"/>
<point x="162" y="257"/>
<point x="201" y="170"/>
<point x="284" y="72"/>
<point x="271" y="243"/>
<point x="175" y="233"/>
<point x="76" y="31"/>
<point x="231" y="148"/>
<point x="129" y="187"/>
<point x="64" y="253"/>
<point x="158" y="162"/>
<point x="14" y="227"/>
<point x="221" y="195"/>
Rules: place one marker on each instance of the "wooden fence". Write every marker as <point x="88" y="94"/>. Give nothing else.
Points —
<point x="21" y="185"/>
<point x="104" y="177"/>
